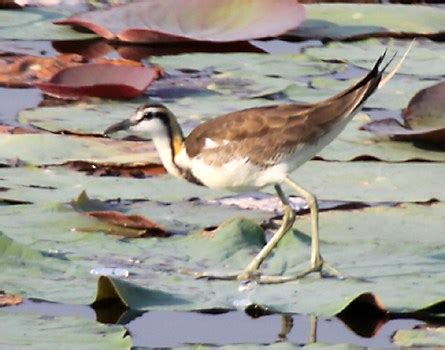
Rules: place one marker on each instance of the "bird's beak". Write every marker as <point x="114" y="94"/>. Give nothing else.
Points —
<point x="123" y="125"/>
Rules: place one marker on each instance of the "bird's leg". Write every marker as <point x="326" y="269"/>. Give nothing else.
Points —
<point x="317" y="262"/>
<point x="288" y="220"/>
<point x="251" y="271"/>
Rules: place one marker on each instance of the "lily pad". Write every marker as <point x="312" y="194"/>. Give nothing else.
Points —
<point x="29" y="331"/>
<point x="357" y="21"/>
<point x="59" y="149"/>
<point x="427" y="108"/>
<point x="24" y="71"/>
<point x="164" y="21"/>
<point x="395" y="289"/>
<point x="94" y="118"/>
<point x="285" y="66"/>
<point x="424" y="118"/>
<point x="424" y="59"/>
<point x="100" y="80"/>
<point x="363" y="139"/>
<point x="60" y="184"/>
<point x="36" y="24"/>
<point x="394" y="95"/>
<point x="429" y="337"/>
<point x="395" y="130"/>
<point x="349" y="241"/>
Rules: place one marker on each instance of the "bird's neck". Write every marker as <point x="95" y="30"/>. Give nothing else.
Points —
<point x="169" y="141"/>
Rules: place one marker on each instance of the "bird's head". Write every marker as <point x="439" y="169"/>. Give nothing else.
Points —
<point x="150" y="118"/>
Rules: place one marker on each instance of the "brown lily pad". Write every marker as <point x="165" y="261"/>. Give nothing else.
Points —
<point x="20" y="71"/>
<point x="392" y="128"/>
<point x="117" y="223"/>
<point x="100" y="80"/>
<point x="424" y="119"/>
<point x="9" y="299"/>
<point x="165" y="21"/>
<point x="427" y="108"/>
<point x="122" y="170"/>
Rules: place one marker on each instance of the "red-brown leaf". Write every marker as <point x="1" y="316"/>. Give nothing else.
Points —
<point x="100" y="80"/>
<point x="9" y="299"/>
<point x="165" y="21"/>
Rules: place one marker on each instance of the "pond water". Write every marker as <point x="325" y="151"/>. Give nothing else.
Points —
<point x="163" y="329"/>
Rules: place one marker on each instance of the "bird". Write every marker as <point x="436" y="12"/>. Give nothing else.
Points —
<point x="257" y="147"/>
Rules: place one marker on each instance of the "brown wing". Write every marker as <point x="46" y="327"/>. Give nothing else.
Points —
<point x="264" y="133"/>
<point x="245" y="124"/>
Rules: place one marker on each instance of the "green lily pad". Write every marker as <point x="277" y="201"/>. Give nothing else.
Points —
<point x="354" y="143"/>
<point x="59" y="149"/>
<point x="29" y="331"/>
<point x="95" y="118"/>
<point x="79" y="118"/>
<point x="347" y="21"/>
<point x="37" y="24"/>
<point x="356" y="181"/>
<point x="349" y="241"/>
<point x="60" y="184"/>
<point x="290" y="67"/>
<point x="394" y="95"/>
<point x="423" y="60"/>
<point x="367" y="181"/>
<point x="429" y="337"/>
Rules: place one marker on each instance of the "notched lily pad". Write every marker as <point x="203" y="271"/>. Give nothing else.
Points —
<point x="130" y="226"/>
<point x="424" y="119"/>
<point x="100" y="80"/>
<point x="164" y="21"/>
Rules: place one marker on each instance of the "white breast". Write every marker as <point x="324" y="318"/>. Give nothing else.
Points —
<point x="237" y="175"/>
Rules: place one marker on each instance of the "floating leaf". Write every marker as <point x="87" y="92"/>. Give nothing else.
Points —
<point x="354" y="143"/>
<point x="358" y="21"/>
<point x="26" y="71"/>
<point x="427" y="108"/>
<point x="9" y="299"/>
<point x="392" y="128"/>
<point x="163" y="21"/>
<point x="36" y="24"/>
<point x="424" y="118"/>
<point x="60" y="332"/>
<point x="100" y="80"/>
<point x="60" y="149"/>
<point x="142" y="226"/>
<point x="423" y="60"/>
<point x="428" y="337"/>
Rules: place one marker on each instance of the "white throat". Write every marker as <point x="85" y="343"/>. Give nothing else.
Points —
<point x="162" y="142"/>
<point x="163" y="146"/>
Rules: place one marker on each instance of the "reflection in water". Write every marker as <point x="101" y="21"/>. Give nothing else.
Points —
<point x="220" y="327"/>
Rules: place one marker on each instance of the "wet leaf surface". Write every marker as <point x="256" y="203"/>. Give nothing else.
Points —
<point x="172" y="21"/>
<point x="37" y="332"/>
